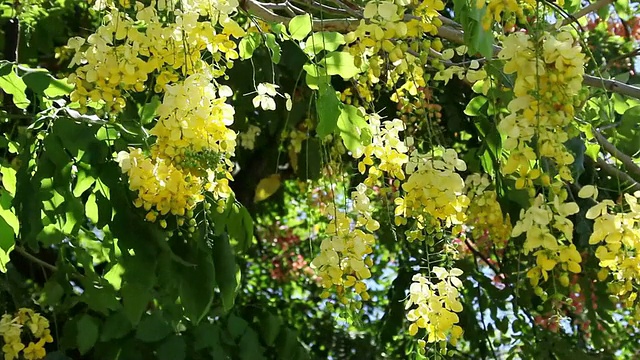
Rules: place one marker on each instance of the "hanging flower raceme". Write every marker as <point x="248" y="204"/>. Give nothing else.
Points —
<point x="617" y="234"/>
<point x="486" y="225"/>
<point x="12" y="327"/>
<point x="161" y="187"/>
<point x="548" y="236"/>
<point x="192" y="151"/>
<point x="133" y="44"/>
<point x="343" y="260"/>
<point x="434" y="306"/>
<point x="434" y="196"/>
<point x="541" y="115"/>
<point x="504" y="11"/>
<point x="385" y="46"/>
<point x="192" y="129"/>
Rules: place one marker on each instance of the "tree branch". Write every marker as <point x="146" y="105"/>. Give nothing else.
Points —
<point x="478" y="254"/>
<point x="587" y="10"/>
<point x="450" y="30"/>
<point x="625" y="159"/>
<point x="342" y="10"/>
<point x="615" y="173"/>
<point x="23" y="252"/>
<point x="612" y="85"/>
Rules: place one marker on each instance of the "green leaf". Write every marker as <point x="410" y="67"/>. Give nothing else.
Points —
<point x="114" y="276"/>
<point x="53" y="292"/>
<point x="88" y="330"/>
<point x="592" y="151"/>
<point x="11" y="84"/>
<point x="172" y="349"/>
<point x="148" y="111"/>
<point x="9" y="179"/>
<point x="270" y="328"/>
<point x="274" y="48"/>
<point x="43" y="83"/>
<point x="116" y="326"/>
<point x="250" y="348"/>
<point x="329" y="108"/>
<point x="340" y="63"/>
<point x="324" y="40"/>
<point x="474" y="106"/>
<point x="135" y="299"/>
<point x="240" y="227"/>
<point x="4" y="259"/>
<point x="196" y="288"/>
<point x="628" y="139"/>
<point x="354" y="130"/>
<point x="7" y="212"/>
<point x="207" y="335"/>
<point x="91" y="209"/>
<point x="300" y="26"/>
<point x="237" y="326"/>
<point x="249" y="44"/>
<point x="225" y="270"/>
<point x="153" y="328"/>
<point x="83" y="182"/>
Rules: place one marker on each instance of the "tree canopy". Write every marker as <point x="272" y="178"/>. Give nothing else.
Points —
<point x="319" y="179"/>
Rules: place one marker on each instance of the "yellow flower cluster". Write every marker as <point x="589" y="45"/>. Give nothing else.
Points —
<point x="342" y="261"/>
<point x="161" y="187"/>
<point x="193" y="118"/>
<point x="434" y="193"/>
<point x="11" y="327"/>
<point x="618" y="238"/>
<point x="548" y="82"/>
<point x="248" y="138"/>
<point x="489" y="228"/>
<point x="192" y="150"/>
<point x="504" y="11"/>
<point x="127" y="49"/>
<point x="548" y="236"/>
<point x="387" y="147"/>
<point x="384" y="46"/>
<point x="435" y="306"/>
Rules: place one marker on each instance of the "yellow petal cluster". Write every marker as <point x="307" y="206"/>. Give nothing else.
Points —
<point x="133" y="44"/>
<point x="434" y="307"/>
<point x="504" y="11"/>
<point x="548" y="235"/>
<point x="11" y="331"/>
<point x="343" y="261"/>
<point x="434" y="196"/>
<point x="616" y="231"/>
<point x="541" y="114"/>
<point x="489" y="229"/>
<point x="381" y="46"/>
<point x="161" y="187"/>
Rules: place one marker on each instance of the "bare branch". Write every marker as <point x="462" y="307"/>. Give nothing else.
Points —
<point x="23" y="252"/>
<point x="612" y="85"/>
<point x="342" y="10"/>
<point x="615" y="173"/>
<point x="626" y="160"/>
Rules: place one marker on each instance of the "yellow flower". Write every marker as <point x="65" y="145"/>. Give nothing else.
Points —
<point x="35" y="351"/>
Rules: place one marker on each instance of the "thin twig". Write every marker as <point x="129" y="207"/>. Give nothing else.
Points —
<point x="483" y="258"/>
